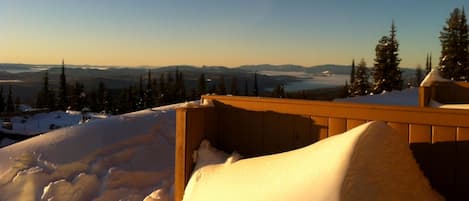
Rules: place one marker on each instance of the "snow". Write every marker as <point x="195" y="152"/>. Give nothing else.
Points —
<point x="125" y="157"/>
<point x="44" y="122"/>
<point x="406" y="97"/>
<point x="369" y="162"/>
<point x="437" y="104"/>
<point x="433" y="76"/>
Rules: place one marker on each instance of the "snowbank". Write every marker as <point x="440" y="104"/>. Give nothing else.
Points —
<point x="45" y="122"/>
<point x="406" y="97"/>
<point x="370" y="162"/>
<point x="433" y="76"/>
<point x="124" y="157"/>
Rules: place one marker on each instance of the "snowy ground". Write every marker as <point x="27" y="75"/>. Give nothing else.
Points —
<point x="43" y="122"/>
<point x="406" y="97"/>
<point x="124" y="157"/>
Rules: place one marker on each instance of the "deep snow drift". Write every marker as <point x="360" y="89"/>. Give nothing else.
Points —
<point x="123" y="157"/>
<point x="369" y="162"/>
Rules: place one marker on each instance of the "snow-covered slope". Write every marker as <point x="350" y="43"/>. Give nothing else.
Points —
<point x="406" y="97"/>
<point x="47" y="121"/>
<point x="122" y="157"/>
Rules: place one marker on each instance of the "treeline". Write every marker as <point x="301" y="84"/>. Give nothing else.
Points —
<point x="386" y="74"/>
<point x="7" y="104"/>
<point x="150" y="91"/>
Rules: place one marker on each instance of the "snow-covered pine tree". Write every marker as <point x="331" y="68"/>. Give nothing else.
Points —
<point x="386" y="73"/>
<point x="454" y="60"/>
<point x="361" y="84"/>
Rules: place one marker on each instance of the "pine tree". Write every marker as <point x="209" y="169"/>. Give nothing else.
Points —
<point x="418" y="75"/>
<point x="386" y="73"/>
<point x="428" y="64"/>
<point x="163" y="89"/>
<point x="149" y="95"/>
<point x="279" y="91"/>
<point x="10" y="106"/>
<point x="63" y="99"/>
<point x="234" y="86"/>
<point x="352" y="72"/>
<point x="140" y="101"/>
<point x="201" y="85"/>
<point x="352" y="78"/>
<point x="100" y="96"/>
<point x="2" y="100"/>
<point x="361" y="85"/>
<point x="221" y="89"/>
<point x="454" y="60"/>
<point x="246" y="88"/>
<point x="256" y="87"/>
<point x="17" y="103"/>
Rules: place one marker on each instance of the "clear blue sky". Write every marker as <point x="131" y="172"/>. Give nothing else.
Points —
<point x="216" y="32"/>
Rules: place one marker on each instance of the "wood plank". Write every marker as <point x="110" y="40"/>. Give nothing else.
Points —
<point x="241" y="131"/>
<point x="302" y="131"/>
<point x="462" y="166"/>
<point x="397" y="114"/>
<point x="180" y="155"/>
<point x="278" y="133"/>
<point x="420" y="139"/>
<point x="352" y="123"/>
<point x="401" y="128"/>
<point x="444" y="158"/>
<point x="319" y="127"/>
<point x="337" y="126"/>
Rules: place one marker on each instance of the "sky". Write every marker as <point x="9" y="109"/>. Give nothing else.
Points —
<point x="217" y="32"/>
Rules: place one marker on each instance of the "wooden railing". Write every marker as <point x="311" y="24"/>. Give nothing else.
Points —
<point x="258" y="126"/>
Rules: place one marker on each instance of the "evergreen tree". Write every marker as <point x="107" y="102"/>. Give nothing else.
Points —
<point x="163" y="89"/>
<point x="131" y="99"/>
<point x="234" y="86"/>
<point x="43" y="95"/>
<point x="78" y="97"/>
<point x="2" y="100"/>
<point x="17" y="103"/>
<point x="221" y="89"/>
<point x="201" y="85"/>
<point x="418" y="75"/>
<point x="149" y="95"/>
<point x="352" y="78"/>
<point x="100" y="96"/>
<point x="352" y="73"/>
<point x="454" y="60"/>
<point x="256" y="87"/>
<point x="279" y="91"/>
<point x="10" y="106"/>
<point x="108" y="102"/>
<point x="63" y="99"/>
<point x="428" y="64"/>
<point x="361" y="85"/>
<point x="140" y="101"/>
<point x="386" y="73"/>
<point x="246" y="88"/>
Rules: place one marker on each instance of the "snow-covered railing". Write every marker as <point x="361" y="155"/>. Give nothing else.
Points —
<point x="444" y="92"/>
<point x="439" y="138"/>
